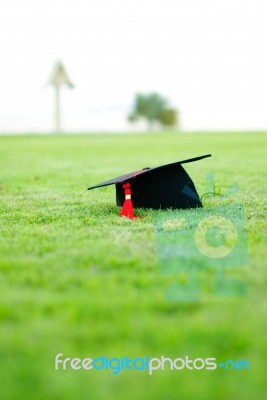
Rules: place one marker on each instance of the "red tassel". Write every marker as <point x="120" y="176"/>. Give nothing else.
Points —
<point x="127" y="208"/>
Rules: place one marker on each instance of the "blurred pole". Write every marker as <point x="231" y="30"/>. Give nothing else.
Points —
<point x="57" y="79"/>
<point x="57" y="110"/>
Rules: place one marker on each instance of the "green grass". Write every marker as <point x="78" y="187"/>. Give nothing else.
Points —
<point x="77" y="279"/>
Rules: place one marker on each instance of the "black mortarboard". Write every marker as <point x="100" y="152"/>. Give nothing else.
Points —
<point x="167" y="186"/>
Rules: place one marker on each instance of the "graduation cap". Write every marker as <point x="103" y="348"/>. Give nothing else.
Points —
<point x="163" y="187"/>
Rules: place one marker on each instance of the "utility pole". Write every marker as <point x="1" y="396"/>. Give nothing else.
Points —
<point x="57" y="79"/>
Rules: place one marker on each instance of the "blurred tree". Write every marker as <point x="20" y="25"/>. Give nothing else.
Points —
<point x="154" y="108"/>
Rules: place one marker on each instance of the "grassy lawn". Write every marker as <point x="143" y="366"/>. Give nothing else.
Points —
<point x="77" y="279"/>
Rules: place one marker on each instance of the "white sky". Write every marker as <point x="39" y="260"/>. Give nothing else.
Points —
<point x="209" y="57"/>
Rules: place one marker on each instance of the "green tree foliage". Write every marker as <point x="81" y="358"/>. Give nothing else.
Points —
<point x="154" y="109"/>
<point x="169" y="117"/>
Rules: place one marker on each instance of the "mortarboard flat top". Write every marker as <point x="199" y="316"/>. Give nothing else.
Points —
<point x="166" y="186"/>
<point x="132" y="175"/>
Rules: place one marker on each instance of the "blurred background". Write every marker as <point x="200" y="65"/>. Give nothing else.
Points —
<point x="207" y="59"/>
